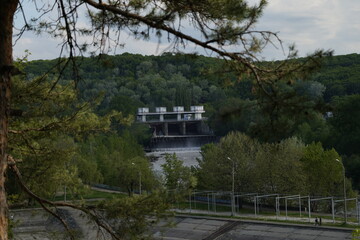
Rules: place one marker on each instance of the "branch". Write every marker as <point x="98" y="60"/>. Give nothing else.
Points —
<point x="63" y="222"/>
<point x="42" y="202"/>
<point x="52" y="125"/>
<point x="161" y="26"/>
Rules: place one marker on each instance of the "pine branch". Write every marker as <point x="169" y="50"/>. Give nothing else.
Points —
<point x="43" y="202"/>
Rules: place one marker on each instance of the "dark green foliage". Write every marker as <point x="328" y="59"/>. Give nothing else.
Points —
<point x="235" y="114"/>
<point x="340" y="75"/>
<point x="294" y="108"/>
<point x="62" y="144"/>
<point x="316" y="130"/>
<point x="345" y="133"/>
<point x="324" y="172"/>
<point x="177" y="176"/>
<point x="288" y="167"/>
<point x="352" y="165"/>
<point x="117" y="161"/>
<point x="166" y="80"/>
<point x="132" y="217"/>
<point x="43" y="133"/>
<point x="345" y="124"/>
<point x="142" y="77"/>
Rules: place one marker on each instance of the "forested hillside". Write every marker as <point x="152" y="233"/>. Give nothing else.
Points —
<point x="126" y="82"/>
<point x="185" y="79"/>
<point x="340" y="75"/>
<point x="165" y="80"/>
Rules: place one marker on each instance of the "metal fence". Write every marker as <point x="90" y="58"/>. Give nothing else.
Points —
<point x="279" y="206"/>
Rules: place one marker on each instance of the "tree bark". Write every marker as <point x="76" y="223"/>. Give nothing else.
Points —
<point x="7" y="11"/>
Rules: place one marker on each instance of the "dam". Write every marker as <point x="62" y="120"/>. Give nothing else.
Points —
<point x="179" y="131"/>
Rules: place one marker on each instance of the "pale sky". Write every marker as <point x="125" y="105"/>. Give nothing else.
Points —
<point x="310" y="24"/>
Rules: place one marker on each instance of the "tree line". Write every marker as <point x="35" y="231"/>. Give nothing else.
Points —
<point x="288" y="167"/>
<point x="321" y="107"/>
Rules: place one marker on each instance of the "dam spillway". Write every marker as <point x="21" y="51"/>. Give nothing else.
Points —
<point x="180" y="143"/>
<point x="177" y="129"/>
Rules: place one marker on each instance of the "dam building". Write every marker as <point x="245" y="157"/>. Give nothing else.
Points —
<point x="178" y="128"/>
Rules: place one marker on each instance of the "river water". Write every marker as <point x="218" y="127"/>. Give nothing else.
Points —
<point x="187" y="155"/>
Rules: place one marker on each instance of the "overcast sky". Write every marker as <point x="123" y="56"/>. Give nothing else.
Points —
<point x="310" y="24"/>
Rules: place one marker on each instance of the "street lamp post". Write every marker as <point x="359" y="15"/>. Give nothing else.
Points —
<point x="345" y="205"/>
<point x="233" y="188"/>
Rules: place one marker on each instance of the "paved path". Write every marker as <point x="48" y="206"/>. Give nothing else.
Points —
<point x="248" y="231"/>
<point x="35" y="224"/>
<point x="195" y="228"/>
<point x="188" y="228"/>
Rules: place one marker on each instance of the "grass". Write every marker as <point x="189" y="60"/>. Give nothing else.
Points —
<point x="202" y="206"/>
<point x="89" y="194"/>
<point x="219" y="208"/>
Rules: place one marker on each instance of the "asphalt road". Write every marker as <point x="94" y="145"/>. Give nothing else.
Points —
<point x="271" y="232"/>
<point x="35" y="224"/>
<point x="189" y="228"/>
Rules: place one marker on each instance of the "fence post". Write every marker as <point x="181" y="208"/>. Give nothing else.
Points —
<point x="300" y="205"/>
<point x="190" y="201"/>
<point x="357" y="211"/>
<point x="255" y="199"/>
<point x="277" y="207"/>
<point x="208" y="197"/>
<point x="214" y="201"/>
<point x="286" y="209"/>
<point x="309" y="209"/>
<point x="333" y="209"/>
<point x="194" y="200"/>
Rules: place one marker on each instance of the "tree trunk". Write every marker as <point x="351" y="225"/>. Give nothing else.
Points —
<point x="7" y="10"/>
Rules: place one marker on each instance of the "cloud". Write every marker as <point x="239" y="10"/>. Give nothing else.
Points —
<point x="320" y="24"/>
<point x="311" y="24"/>
<point x="40" y="47"/>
